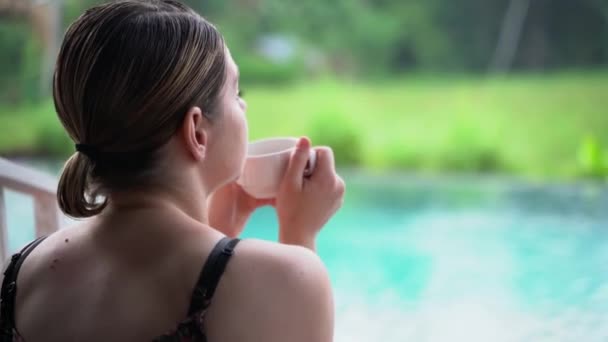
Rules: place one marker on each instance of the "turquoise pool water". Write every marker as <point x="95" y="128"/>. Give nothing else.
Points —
<point x="466" y="259"/>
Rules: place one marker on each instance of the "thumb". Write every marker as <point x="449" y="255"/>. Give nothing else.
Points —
<point x="297" y="163"/>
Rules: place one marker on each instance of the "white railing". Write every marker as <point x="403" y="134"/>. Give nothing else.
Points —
<point x="41" y="187"/>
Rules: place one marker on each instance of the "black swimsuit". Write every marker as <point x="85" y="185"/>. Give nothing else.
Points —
<point x="191" y="329"/>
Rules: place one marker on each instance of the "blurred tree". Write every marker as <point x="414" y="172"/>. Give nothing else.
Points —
<point x="365" y="37"/>
<point x="510" y="35"/>
<point x="38" y="28"/>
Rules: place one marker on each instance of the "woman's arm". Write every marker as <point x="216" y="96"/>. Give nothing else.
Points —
<point x="230" y="207"/>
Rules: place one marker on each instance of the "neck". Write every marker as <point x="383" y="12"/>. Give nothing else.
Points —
<point x="190" y="200"/>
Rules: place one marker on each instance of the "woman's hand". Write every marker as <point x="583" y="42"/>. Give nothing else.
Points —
<point x="230" y="207"/>
<point x="305" y="204"/>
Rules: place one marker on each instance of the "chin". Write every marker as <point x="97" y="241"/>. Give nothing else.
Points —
<point x="233" y="172"/>
<point x="235" y="175"/>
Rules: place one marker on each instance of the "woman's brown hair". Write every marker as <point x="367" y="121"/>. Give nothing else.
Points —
<point x="126" y="75"/>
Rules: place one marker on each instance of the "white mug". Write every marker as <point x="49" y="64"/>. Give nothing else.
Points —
<point x="266" y="163"/>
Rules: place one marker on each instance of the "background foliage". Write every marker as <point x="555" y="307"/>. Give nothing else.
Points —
<point x="389" y="84"/>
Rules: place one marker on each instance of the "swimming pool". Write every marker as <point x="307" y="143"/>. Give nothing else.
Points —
<point x="454" y="259"/>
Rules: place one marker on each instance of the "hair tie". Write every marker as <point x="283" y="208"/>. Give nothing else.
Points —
<point x="90" y="151"/>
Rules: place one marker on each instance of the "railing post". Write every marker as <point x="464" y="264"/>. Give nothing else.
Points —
<point x="41" y="187"/>
<point x="46" y="213"/>
<point x="3" y="227"/>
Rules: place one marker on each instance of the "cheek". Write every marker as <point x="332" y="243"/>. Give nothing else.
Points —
<point x="239" y="132"/>
<point x="242" y="118"/>
<point x="245" y="126"/>
<point x="243" y="104"/>
<point x="244" y="135"/>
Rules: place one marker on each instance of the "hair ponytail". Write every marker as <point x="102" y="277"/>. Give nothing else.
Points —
<point x="126" y="75"/>
<point x="74" y="193"/>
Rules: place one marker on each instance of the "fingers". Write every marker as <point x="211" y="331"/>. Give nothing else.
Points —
<point x="310" y="165"/>
<point x="266" y="201"/>
<point x="297" y="163"/>
<point x="325" y="166"/>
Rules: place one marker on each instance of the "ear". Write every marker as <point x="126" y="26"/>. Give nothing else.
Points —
<point x="194" y="133"/>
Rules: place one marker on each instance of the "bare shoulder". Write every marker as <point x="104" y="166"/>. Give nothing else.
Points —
<point x="272" y="292"/>
<point x="279" y="260"/>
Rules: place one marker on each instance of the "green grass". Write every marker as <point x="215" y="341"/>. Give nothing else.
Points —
<point x="525" y="124"/>
<point x="530" y="125"/>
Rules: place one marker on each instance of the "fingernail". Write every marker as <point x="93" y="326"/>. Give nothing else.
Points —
<point x="302" y="143"/>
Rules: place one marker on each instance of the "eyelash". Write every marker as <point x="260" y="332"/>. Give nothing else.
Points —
<point x="240" y="93"/>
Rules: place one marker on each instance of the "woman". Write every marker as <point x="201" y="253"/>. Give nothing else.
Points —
<point x="149" y="93"/>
